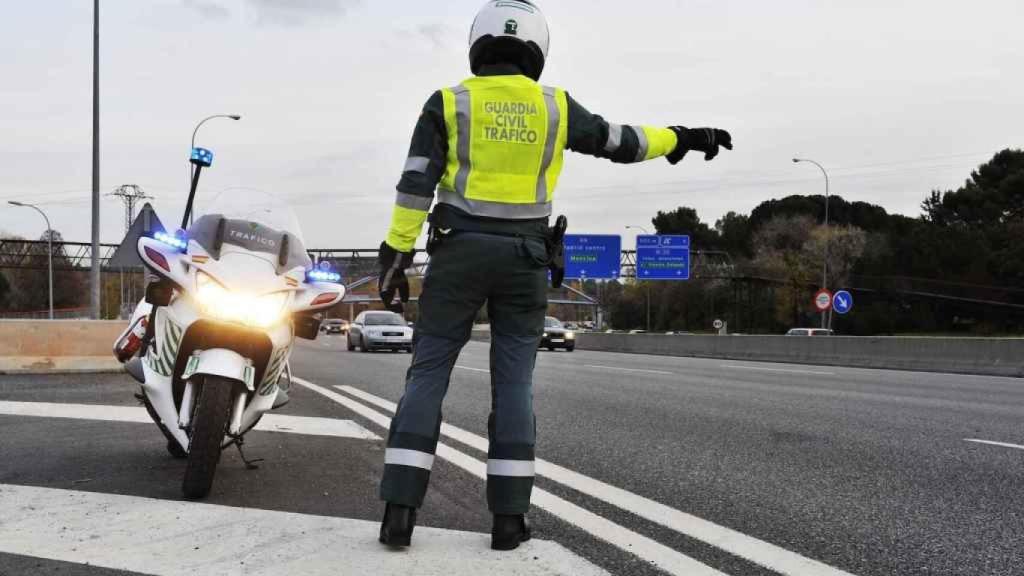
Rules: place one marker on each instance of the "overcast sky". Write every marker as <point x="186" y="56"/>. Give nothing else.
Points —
<point x="895" y="97"/>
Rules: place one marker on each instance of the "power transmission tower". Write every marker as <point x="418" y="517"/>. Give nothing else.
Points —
<point x="130" y="194"/>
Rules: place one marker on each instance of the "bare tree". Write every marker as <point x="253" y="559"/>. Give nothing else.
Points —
<point x="791" y="249"/>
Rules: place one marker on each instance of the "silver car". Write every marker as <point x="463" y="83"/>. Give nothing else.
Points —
<point x="809" y="332"/>
<point x="379" y="331"/>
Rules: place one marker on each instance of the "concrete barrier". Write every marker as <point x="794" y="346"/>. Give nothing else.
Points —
<point x="986" y="356"/>
<point x="45" y="346"/>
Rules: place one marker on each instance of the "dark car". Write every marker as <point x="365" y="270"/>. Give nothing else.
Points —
<point x="334" y="326"/>
<point x="556" y="335"/>
<point x="379" y="331"/>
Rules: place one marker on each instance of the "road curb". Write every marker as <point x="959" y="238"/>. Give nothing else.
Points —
<point x="42" y="365"/>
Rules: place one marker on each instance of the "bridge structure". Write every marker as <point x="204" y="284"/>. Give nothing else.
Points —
<point x="352" y="263"/>
<point x="359" y="271"/>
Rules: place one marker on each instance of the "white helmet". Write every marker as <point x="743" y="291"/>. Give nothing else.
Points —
<point x="520" y="21"/>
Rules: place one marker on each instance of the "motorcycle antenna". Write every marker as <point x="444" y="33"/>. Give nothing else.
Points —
<point x="201" y="158"/>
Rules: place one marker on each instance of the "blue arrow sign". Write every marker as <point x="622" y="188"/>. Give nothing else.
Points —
<point x="663" y="257"/>
<point x="842" y="302"/>
<point x="592" y="256"/>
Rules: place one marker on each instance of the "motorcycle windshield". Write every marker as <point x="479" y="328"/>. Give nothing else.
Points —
<point x="255" y="221"/>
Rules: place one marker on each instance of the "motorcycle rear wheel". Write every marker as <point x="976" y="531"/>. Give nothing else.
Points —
<point x="213" y="409"/>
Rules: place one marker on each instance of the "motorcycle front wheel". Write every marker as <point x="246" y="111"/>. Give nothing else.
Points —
<point x="209" y="423"/>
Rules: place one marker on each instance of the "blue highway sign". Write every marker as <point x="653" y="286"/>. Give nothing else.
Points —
<point x="663" y="257"/>
<point x="842" y="302"/>
<point x="592" y="256"/>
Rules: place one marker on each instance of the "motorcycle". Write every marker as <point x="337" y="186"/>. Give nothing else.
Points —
<point x="210" y="344"/>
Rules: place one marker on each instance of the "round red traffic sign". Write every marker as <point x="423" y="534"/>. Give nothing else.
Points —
<point x="823" y="300"/>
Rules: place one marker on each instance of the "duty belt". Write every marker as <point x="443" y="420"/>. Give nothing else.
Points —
<point x="444" y="225"/>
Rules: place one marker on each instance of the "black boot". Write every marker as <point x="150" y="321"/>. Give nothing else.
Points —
<point x="396" y="529"/>
<point x="509" y="531"/>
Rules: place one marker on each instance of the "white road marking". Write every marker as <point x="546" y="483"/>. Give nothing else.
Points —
<point x="629" y="369"/>
<point x="657" y="554"/>
<point x="174" y="538"/>
<point x="992" y="443"/>
<point x="472" y="369"/>
<point x="269" y="423"/>
<point x="785" y="370"/>
<point x="757" y="551"/>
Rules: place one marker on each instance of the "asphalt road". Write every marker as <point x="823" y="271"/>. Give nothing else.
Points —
<point x="649" y="463"/>
<point x="867" y="471"/>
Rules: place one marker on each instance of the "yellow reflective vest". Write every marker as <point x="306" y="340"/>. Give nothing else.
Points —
<point x="506" y="139"/>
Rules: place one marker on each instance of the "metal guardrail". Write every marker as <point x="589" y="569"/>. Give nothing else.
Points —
<point x="31" y="254"/>
<point x="65" y="314"/>
<point x="360" y="266"/>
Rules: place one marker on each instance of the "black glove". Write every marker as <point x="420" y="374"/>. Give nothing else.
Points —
<point x="392" y="277"/>
<point x="706" y="140"/>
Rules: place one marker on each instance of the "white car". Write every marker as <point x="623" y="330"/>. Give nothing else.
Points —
<point x="809" y="332"/>
<point x="378" y="330"/>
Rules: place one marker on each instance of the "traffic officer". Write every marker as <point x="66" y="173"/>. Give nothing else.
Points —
<point x="491" y="147"/>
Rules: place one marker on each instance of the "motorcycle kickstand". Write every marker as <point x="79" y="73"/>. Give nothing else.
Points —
<point x="249" y="464"/>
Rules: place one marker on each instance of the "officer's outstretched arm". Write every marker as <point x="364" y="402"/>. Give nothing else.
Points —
<point x="625" y="144"/>
<point x="423" y="170"/>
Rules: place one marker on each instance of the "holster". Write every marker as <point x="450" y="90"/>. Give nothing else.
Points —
<point x="435" y="236"/>
<point x="556" y="251"/>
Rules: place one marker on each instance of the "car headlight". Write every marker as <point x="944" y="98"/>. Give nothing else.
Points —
<point x="218" y="302"/>
<point x="545" y="334"/>
<point x="570" y="335"/>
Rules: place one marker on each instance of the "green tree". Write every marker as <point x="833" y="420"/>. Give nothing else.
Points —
<point x="685" y="221"/>
<point x="993" y="195"/>
<point x="735" y="234"/>
<point x="5" y="292"/>
<point x="975" y="231"/>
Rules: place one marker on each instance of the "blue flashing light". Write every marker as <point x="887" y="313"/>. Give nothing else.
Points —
<point x="323" y="276"/>
<point x="171" y="240"/>
<point x="202" y="157"/>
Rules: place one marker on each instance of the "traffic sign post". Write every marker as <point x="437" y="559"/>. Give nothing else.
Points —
<point x="592" y="256"/>
<point x="662" y="257"/>
<point x="823" y="301"/>
<point x="842" y="302"/>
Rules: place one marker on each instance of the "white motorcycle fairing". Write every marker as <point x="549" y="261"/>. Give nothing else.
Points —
<point x="172" y="323"/>
<point x="235" y="291"/>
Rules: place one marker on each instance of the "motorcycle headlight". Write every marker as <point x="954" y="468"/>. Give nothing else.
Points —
<point x="218" y="302"/>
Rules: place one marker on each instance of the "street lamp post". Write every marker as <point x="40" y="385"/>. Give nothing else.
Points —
<point x="824" y="272"/>
<point x="646" y="284"/>
<point x="191" y="168"/>
<point x="207" y="119"/>
<point x="235" y="117"/>
<point x="49" y="243"/>
<point x="94" y="273"/>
